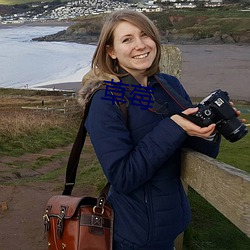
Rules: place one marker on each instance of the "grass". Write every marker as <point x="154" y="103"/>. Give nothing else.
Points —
<point x="31" y="133"/>
<point x="237" y="154"/>
<point x="38" y="162"/>
<point x="91" y="172"/>
<point x="23" y="130"/>
<point x="210" y="230"/>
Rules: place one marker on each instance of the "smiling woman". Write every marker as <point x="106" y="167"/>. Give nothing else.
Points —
<point x="140" y="153"/>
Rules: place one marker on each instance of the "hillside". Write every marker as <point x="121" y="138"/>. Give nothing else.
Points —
<point x="173" y="26"/>
<point x="8" y="7"/>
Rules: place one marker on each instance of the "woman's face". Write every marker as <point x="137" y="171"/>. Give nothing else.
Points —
<point x="134" y="50"/>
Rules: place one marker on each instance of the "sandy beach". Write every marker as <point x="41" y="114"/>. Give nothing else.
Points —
<point x="206" y="68"/>
<point x="209" y="67"/>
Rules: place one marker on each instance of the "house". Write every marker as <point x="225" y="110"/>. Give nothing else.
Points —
<point x="184" y="5"/>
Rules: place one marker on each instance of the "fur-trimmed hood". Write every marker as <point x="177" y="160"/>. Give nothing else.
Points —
<point x="92" y="81"/>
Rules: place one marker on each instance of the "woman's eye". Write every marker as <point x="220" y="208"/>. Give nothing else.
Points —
<point x="127" y="40"/>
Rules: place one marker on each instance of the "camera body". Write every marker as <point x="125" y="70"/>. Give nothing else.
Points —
<point x="216" y="109"/>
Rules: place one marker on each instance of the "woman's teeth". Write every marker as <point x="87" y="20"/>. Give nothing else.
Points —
<point x="141" y="56"/>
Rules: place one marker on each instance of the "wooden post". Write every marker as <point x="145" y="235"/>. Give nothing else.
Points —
<point x="170" y="63"/>
<point x="171" y="60"/>
<point x="178" y="244"/>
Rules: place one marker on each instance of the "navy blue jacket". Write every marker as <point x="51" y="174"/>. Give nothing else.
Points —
<point x="141" y="160"/>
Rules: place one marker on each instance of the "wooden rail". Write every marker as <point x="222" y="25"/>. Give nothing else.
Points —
<point x="223" y="186"/>
<point x="66" y="109"/>
<point x="61" y="109"/>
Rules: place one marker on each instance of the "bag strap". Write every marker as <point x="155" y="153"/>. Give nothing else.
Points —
<point x="76" y="150"/>
<point x="74" y="158"/>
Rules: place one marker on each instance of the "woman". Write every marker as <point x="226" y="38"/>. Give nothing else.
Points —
<point x="140" y="154"/>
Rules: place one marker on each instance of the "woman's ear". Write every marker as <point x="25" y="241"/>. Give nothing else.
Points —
<point x="110" y="52"/>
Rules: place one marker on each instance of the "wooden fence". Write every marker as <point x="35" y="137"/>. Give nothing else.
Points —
<point x="51" y="109"/>
<point x="223" y="186"/>
<point x="67" y="109"/>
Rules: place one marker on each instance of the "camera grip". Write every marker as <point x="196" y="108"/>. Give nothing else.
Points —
<point x="192" y="118"/>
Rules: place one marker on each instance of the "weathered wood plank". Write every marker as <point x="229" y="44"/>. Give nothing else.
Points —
<point x="223" y="186"/>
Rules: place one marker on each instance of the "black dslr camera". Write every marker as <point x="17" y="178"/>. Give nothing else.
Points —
<point x="216" y="109"/>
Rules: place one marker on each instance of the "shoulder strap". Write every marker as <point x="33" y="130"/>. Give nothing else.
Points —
<point x="74" y="158"/>
<point x="75" y="153"/>
<point x="76" y="150"/>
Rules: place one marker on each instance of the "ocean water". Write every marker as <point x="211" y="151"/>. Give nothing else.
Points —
<point x="27" y="64"/>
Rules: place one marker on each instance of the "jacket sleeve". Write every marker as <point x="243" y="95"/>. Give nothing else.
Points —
<point x="125" y="165"/>
<point x="207" y="147"/>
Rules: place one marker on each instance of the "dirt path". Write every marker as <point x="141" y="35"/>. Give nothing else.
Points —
<point x="21" y="224"/>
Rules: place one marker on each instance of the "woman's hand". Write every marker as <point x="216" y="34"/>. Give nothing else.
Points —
<point x="190" y="128"/>
<point x="238" y="113"/>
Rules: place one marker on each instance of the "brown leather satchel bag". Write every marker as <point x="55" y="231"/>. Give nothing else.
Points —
<point x="82" y="223"/>
<point x="78" y="223"/>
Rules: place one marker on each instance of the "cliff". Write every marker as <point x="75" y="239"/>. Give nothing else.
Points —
<point x="173" y="28"/>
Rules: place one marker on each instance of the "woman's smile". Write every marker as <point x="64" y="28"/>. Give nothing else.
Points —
<point x="142" y="56"/>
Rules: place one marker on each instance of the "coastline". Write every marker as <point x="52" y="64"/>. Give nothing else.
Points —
<point x="205" y="68"/>
<point x="63" y="86"/>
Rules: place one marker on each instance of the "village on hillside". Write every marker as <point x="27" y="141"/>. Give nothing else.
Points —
<point x="44" y="12"/>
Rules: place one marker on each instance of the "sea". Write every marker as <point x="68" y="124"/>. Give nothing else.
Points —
<point x="26" y="64"/>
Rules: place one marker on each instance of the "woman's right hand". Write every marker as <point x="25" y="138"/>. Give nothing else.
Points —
<point x="190" y="128"/>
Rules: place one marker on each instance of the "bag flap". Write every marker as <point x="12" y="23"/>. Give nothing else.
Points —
<point x="68" y="203"/>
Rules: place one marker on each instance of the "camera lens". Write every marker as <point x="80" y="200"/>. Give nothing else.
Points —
<point x="238" y="133"/>
<point x="233" y="130"/>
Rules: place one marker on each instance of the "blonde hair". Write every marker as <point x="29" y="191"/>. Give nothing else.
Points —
<point x="102" y="61"/>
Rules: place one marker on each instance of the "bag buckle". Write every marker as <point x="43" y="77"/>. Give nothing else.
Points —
<point x="59" y="224"/>
<point x="95" y="212"/>
<point x="46" y="221"/>
<point x="96" y="221"/>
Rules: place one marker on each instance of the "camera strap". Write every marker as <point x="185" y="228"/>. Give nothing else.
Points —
<point x="179" y="100"/>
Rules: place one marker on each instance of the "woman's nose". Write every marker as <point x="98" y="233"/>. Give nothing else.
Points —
<point x="139" y="44"/>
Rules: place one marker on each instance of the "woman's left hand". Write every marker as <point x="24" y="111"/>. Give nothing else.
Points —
<point x="238" y="113"/>
<point x="190" y="128"/>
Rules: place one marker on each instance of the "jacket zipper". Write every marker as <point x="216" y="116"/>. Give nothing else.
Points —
<point x="149" y="212"/>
